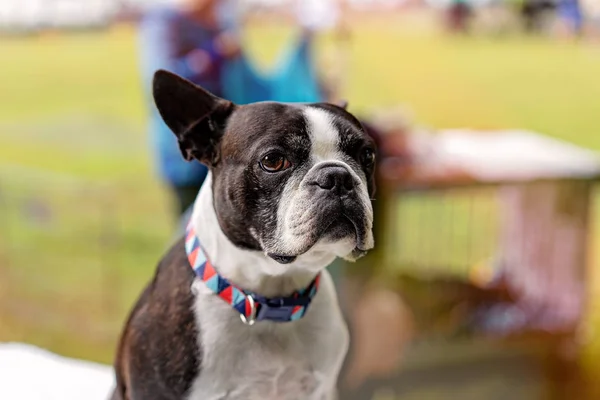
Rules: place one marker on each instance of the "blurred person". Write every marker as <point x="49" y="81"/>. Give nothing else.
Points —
<point x="534" y="12"/>
<point x="459" y="15"/>
<point x="570" y="17"/>
<point x="194" y="39"/>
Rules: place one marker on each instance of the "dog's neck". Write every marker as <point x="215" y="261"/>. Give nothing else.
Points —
<point x="251" y="270"/>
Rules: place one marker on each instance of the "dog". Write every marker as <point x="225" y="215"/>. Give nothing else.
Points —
<point x="243" y="308"/>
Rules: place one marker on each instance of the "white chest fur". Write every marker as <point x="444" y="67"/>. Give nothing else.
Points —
<point x="297" y="360"/>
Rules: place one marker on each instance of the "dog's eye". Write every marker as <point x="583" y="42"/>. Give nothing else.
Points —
<point x="367" y="157"/>
<point x="274" y="162"/>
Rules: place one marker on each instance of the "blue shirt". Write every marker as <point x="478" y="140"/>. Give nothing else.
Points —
<point x="571" y="11"/>
<point x="166" y="39"/>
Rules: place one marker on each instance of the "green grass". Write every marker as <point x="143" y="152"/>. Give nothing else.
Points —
<point x="72" y="140"/>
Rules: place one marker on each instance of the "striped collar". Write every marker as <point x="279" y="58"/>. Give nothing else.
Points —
<point x="251" y="306"/>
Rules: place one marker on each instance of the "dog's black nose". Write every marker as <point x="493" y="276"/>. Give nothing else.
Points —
<point x="336" y="179"/>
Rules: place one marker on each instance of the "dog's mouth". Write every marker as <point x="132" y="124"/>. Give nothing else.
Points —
<point x="361" y="234"/>
<point x="334" y="227"/>
<point x="340" y="228"/>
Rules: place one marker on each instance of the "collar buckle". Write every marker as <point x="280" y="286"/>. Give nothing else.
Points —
<point x="275" y="313"/>
<point x="280" y="309"/>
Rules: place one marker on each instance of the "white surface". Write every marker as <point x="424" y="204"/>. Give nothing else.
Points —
<point x="31" y="373"/>
<point x="516" y="155"/>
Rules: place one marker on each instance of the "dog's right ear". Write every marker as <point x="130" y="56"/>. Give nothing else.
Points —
<point x="341" y="104"/>
<point x="195" y="116"/>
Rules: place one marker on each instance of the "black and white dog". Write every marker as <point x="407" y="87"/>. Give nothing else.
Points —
<point x="242" y="308"/>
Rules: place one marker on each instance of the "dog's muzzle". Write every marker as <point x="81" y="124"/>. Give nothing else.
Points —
<point x="330" y="206"/>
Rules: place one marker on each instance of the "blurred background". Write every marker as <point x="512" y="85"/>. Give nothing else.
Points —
<point x="487" y="113"/>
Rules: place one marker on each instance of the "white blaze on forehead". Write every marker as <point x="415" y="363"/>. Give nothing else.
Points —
<point x="323" y="133"/>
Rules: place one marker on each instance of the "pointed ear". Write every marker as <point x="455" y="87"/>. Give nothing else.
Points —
<point x="341" y="104"/>
<point x="195" y="116"/>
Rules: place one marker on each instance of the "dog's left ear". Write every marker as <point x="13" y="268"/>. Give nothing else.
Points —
<point x="195" y="116"/>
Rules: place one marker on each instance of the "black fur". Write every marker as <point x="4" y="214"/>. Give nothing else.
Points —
<point x="195" y="116"/>
<point x="158" y="356"/>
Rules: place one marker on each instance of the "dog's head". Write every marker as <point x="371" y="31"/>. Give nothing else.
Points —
<point x="288" y="179"/>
